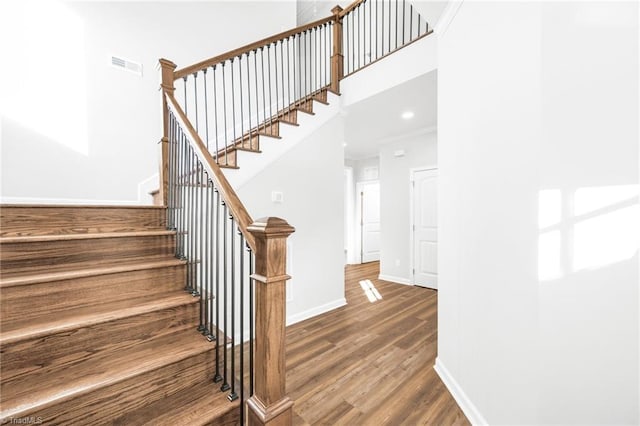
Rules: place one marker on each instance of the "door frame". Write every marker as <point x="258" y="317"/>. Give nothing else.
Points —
<point x="412" y="190"/>
<point x="357" y="214"/>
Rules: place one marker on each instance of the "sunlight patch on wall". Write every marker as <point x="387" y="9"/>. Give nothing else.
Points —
<point x="588" y="228"/>
<point x="43" y="70"/>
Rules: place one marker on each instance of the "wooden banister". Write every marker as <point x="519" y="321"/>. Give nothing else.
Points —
<point x="270" y="405"/>
<point x="235" y="206"/>
<point x="166" y="83"/>
<point x="247" y="48"/>
<point x="351" y="7"/>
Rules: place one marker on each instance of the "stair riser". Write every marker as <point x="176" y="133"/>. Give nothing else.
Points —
<point x="228" y="158"/>
<point x="104" y="404"/>
<point x="53" y="255"/>
<point x="24" y="220"/>
<point x="47" y="353"/>
<point x="270" y="129"/>
<point x="29" y="301"/>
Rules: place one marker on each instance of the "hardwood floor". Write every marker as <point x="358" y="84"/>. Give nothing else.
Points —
<point x="370" y="363"/>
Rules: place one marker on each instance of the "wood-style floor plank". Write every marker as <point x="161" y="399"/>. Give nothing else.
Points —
<point x="370" y="363"/>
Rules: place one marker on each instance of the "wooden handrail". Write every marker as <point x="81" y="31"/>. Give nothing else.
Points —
<point x="235" y="206"/>
<point x="351" y="7"/>
<point x="249" y="47"/>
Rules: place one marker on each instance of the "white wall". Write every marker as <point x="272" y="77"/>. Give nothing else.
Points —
<point x="538" y="255"/>
<point x="75" y="128"/>
<point x="395" y="215"/>
<point x="410" y="62"/>
<point x="310" y="177"/>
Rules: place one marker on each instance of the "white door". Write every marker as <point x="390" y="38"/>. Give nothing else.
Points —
<point x="368" y="214"/>
<point x="425" y="228"/>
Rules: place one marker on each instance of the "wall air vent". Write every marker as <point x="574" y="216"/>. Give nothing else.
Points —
<point x="127" y="65"/>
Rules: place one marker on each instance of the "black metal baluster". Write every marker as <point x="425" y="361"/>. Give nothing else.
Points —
<point x="218" y="377"/>
<point x="389" y="25"/>
<point x="225" y="385"/>
<point x="184" y="79"/>
<point x="242" y="243"/>
<point x="179" y="194"/>
<point x="233" y="110"/>
<point x="403" y="15"/>
<point x="309" y="65"/>
<point x="249" y="100"/>
<point x="233" y="395"/>
<point x="303" y="61"/>
<point x="370" y="31"/>
<point x="327" y="60"/>
<point x="352" y="15"/>
<point x="199" y="247"/>
<point x="359" y="33"/>
<point x="282" y="76"/>
<point x="410" y="22"/>
<point x="289" y="79"/>
<point x="195" y="97"/>
<point x="264" y="102"/>
<point x="170" y="177"/>
<point x="251" y="320"/>
<point x="205" y="254"/>
<point x="225" y="123"/>
<point x="396" y="28"/>
<point x="316" y="57"/>
<point x="187" y="213"/>
<point x="382" y="31"/>
<point x="206" y="109"/>
<point x="255" y="74"/>
<point x="299" y="94"/>
<point x="275" y="71"/>
<point x="215" y="112"/>
<point x="189" y="227"/>
<point x="192" y="226"/>
<point x="269" y="78"/>
<point x="241" y="107"/>
<point x="345" y="43"/>
<point x="419" y="18"/>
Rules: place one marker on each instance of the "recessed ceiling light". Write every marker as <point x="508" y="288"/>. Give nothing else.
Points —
<point x="344" y="144"/>
<point x="408" y="115"/>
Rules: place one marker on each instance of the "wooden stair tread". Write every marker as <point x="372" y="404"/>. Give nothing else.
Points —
<point x="87" y="236"/>
<point x="84" y="206"/>
<point x="35" y="392"/>
<point x="197" y="405"/>
<point x="75" y="271"/>
<point x="78" y="317"/>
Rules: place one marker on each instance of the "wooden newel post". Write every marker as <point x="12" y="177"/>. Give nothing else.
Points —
<point x="166" y="85"/>
<point x="337" y="70"/>
<point x="270" y="405"/>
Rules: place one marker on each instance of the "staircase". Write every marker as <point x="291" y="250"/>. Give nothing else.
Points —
<point x="96" y="325"/>
<point x="175" y="314"/>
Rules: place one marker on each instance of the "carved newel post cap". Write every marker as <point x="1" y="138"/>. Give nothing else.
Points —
<point x="271" y="226"/>
<point x="337" y="9"/>
<point x="166" y="63"/>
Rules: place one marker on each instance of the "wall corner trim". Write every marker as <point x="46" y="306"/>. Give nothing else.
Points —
<point x="397" y="280"/>
<point x="467" y="407"/>
<point x="447" y="16"/>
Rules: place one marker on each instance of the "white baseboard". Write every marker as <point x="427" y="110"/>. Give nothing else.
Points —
<point x="292" y="319"/>
<point x="467" y="407"/>
<point x="393" y="279"/>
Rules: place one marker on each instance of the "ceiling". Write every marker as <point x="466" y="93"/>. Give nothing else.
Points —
<point x="378" y="120"/>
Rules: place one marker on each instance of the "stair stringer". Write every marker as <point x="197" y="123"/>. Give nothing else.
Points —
<point x="252" y="163"/>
